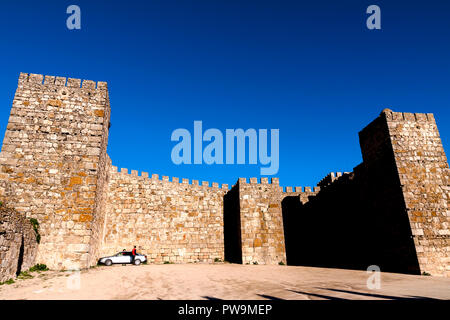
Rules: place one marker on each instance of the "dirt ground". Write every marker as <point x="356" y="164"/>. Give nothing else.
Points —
<point x="221" y="281"/>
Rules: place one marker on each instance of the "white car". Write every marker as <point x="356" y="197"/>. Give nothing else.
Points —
<point x="123" y="257"/>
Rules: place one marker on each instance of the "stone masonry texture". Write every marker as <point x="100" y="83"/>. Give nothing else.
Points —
<point x="391" y="210"/>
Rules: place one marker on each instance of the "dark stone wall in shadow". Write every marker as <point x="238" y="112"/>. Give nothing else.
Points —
<point x="326" y="231"/>
<point x="232" y="226"/>
<point x="291" y="208"/>
<point x="358" y="220"/>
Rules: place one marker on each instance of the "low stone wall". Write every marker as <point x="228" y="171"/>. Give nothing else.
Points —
<point x="18" y="244"/>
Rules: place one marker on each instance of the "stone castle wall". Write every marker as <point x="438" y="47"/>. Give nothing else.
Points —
<point x="170" y="221"/>
<point x="254" y="222"/>
<point x="392" y="210"/>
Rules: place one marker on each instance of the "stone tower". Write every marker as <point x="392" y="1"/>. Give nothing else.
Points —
<point x="404" y="154"/>
<point x="392" y="210"/>
<point x="424" y="176"/>
<point x="53" y="164"/>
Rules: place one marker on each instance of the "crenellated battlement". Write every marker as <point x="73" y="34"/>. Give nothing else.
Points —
<point x="214" y="185"/>
<point x="300" y="190"/>
<point x="169" y="218"/>
<point x="407" y="116"/>
<point x="33" y="78"/>
<point x="276" y="182"/>
<point x="262" y="180"/>
<point x="331" y="178"/>
<point x="155" y="177"/>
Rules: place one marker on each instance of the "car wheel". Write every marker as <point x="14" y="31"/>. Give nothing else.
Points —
<point x="108" y="262"/>
<point x="137" y="262"/>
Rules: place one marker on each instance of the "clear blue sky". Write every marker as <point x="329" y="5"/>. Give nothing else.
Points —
<point x="311" y="69"/>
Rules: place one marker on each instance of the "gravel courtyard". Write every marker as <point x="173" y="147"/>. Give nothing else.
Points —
<point x="221" y="281"/>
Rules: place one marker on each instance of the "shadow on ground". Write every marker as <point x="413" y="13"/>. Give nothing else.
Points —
<point x="365" y="294"/>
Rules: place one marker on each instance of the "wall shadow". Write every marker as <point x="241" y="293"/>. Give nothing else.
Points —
<point x="291" y="208"/>
<point x="232" y="226"/>
<point x="357" y="221"/>
<point x="20" y="260"/>
<point x="381" y="296"/>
